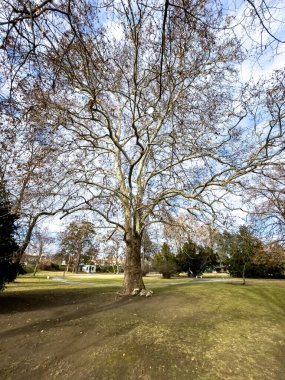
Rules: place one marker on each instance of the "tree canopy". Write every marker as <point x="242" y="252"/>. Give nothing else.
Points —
<point x="143" y="106"/>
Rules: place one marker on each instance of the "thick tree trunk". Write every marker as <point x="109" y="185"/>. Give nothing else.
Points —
<point x="133" y="278"/>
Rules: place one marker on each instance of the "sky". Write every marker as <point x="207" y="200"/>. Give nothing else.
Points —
<point x="272" y="54"/>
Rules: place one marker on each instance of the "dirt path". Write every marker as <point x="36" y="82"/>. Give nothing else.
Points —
<point x="180" y="282"/>
<point x="70" y="282"/>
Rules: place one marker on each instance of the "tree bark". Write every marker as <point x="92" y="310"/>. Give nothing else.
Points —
<point x="133" y="278"/>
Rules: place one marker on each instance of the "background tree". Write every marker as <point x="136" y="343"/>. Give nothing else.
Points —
<point x="242" y="248"/>
<point x="77" y="243"/>
<point x="90" y="255"/>
<point x="195" y="259"/>
<point x="267" y="214"/>
<point x="268" y="262"/>
<point x="8" y="244"/>
<point x="185" y="226"/>
<point x="164" y="262"/>
<point x="31" y="165"/>
<point x="40" y="241"/>
<point x="149" y="249"/>
<point x="223" y="242"/>
<point x="244" y="255"/>
<point x="113" y="251"/>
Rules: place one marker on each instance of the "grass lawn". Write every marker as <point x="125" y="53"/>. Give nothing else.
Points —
<point x="189" y="329"/>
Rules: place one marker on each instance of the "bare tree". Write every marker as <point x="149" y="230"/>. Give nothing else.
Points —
<point x="264" y="191"/>
<point x="113" y="251"/>
<point x="76" y="241"/>
<point x="147" y="138"/>
<point x="267" y="214"/>
<point x="268" y="17"/>
<point x="272" y="256"/>
<point x="150" y="127"/>
<point x="30" y="165"/>
<point x="39" y="243"/>
<point x="179" y="229"/>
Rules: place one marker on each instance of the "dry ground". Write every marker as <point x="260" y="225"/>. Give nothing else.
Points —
<point x="53" y="330"/>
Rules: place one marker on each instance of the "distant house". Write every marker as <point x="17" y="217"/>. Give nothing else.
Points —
<point x="87" y="268"/>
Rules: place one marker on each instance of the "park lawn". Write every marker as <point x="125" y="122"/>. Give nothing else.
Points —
<point x="55" y="330"/>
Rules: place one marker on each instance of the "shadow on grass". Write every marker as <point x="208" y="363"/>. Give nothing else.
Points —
<point x="37" y="299"/>
<point x="59" y="306"/>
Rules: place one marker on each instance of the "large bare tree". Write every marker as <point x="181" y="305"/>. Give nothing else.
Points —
<point x="152" y="113"/>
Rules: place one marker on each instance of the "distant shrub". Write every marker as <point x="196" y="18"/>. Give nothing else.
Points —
<point x="265" y="271"/>
<point x="104" y="269"/>
<point x="108" y="269"/>
<point x="29" y="268"/>
<point x="49" y="266"/>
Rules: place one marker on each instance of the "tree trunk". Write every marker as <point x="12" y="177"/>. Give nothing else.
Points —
<point x="66" y="269"/>
<point x="243" y="274"/>
<point x="38" y="259"/>
<point x="76" y="267"/>
<point x="133" y="278"/>
<point x="68" y="263"/>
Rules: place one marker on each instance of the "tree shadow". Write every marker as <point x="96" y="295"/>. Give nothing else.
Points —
<point x="60" y="306"/>
<point x="48" y="298"/>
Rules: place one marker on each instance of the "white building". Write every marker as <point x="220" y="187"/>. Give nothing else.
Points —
<point x="87" y="268"/>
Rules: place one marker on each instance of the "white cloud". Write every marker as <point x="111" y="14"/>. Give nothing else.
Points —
<point x="115" y="29"/>
<point x="255" y="69"/>
<point x="54" y="224"/>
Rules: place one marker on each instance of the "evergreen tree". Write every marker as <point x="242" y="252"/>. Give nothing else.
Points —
<point x="242" y="248"/>
<point x="164" y="262"/>
<point x="8" y="245"/>
<point x="195" y="259"/>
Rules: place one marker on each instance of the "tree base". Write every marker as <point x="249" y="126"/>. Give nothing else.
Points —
<point x="142" y="292"/>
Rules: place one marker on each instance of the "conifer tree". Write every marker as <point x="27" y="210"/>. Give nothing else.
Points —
<point x="8" y="244"/>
